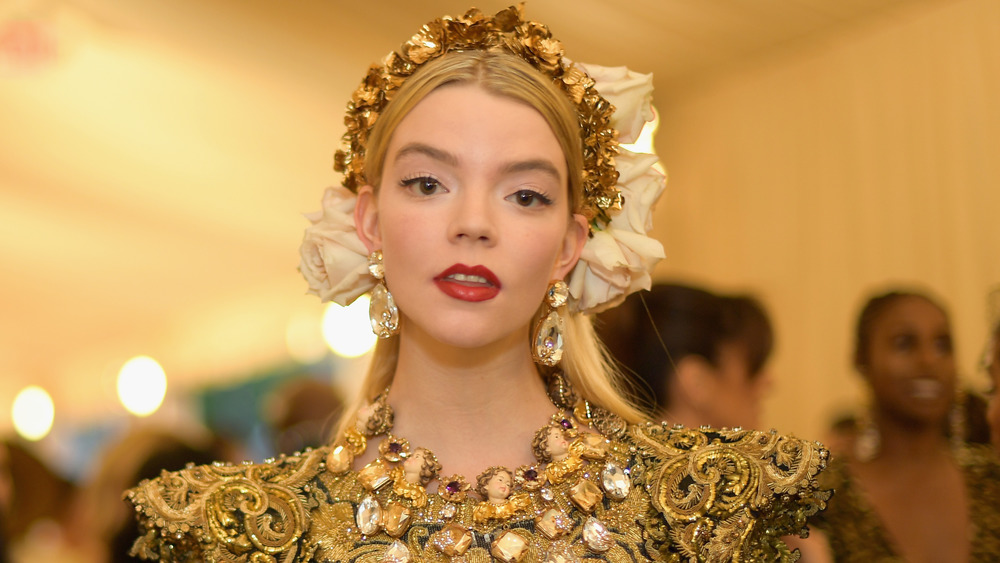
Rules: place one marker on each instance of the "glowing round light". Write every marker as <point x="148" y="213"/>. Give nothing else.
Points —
<point x="348" y="330"/>
<point x="33" y="413"/>
<point x="142" y="384"/>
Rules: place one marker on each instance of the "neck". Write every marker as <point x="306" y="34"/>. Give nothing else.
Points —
<point x="911" y="442"/>
<point x="473" y="408"/>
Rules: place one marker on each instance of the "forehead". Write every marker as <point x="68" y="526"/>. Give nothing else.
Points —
<point x="455" y="115"/>
<point x="911" y="312"/>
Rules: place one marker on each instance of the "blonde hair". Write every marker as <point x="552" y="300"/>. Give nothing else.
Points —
<point x="585" y="362"/>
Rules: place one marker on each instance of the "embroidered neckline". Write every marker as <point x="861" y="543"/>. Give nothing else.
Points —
<point x="575" y="473"/>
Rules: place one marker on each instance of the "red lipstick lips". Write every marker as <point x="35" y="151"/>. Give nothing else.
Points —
<point x="468" y="283"/>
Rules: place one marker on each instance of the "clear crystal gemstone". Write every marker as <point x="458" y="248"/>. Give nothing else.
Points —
<point x="375" y="475"/>
<point x="396" y="519"/>
<point x="510" y="547"/>
<point x="369" y="516"/>
<point x="383" y="312"/>
<point x="595" y="446"/>
<point x="339" y="459"/>
<point x="553" y="523"/>
<point x="549" y="339"/>
<point x="585" y="495"/>
<point x="449" y="511"/>
<point x="453" y="540"/>
<point x="397" y="553"/>
<point x="558" y="294"/>
<point x="547" y="494"/>
<point x="616" y="482"/>
<point x="596" y="535"/>
<point x="560" y="553"/>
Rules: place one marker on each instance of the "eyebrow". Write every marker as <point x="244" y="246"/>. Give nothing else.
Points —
<point x="427" y="150"/>
<point x="446" y="157"/>
<point x="540" y="165"/>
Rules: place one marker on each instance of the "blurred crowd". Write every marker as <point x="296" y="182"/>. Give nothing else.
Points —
<point x="693" y="356"/>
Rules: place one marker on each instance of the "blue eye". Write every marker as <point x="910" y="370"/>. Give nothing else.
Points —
<point x="425" y="185"/>
<point x="529" y="198"/>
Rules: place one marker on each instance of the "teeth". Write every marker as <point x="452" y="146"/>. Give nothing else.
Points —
<point x="468" y="278"/>
<point x="927" y="388"/>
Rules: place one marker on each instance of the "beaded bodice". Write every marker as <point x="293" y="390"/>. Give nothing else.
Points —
<point x="692" y="495"/>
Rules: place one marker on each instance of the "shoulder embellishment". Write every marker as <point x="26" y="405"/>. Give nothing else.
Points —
<point x="730" y="494"/>
<point x="221" y="512"/>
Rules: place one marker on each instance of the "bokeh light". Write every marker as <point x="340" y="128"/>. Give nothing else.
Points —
<point x="33" y="413"/>
<point x="348" y="330"/>
<point x="142" y="385"/>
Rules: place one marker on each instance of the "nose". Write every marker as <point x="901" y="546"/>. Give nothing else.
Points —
<point x="473" y="217"/>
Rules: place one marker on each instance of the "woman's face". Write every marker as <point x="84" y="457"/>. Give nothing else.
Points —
<point x="911" y="367"/>
<point x="472" y="217"/>
<point x="737" y="394"/>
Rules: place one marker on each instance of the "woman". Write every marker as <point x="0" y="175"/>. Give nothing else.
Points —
<point x="908" y="492"/>
<point x="701" y="356"/>
<point x="489" y="219"/>
<point x="991" y="362"/>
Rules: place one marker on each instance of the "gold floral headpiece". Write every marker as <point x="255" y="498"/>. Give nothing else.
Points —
<point x="506" y="31"/>
<point x="620" y="186"/>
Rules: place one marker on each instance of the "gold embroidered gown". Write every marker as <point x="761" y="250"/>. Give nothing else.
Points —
<point x="674" y="494"/>
<point x="856" y="534"/>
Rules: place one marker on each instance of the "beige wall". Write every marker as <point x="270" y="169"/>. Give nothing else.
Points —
<point x="813" y="177"/>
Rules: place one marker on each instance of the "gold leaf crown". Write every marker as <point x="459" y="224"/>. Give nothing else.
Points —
<point x="506" y="31"/>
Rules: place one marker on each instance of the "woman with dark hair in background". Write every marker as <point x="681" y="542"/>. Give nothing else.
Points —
<point x="991" y="363"/>
<point x="701" y="355"/>
<point x="906" y="490"/>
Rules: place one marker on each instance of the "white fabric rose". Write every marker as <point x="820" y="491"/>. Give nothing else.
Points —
<point x="334" y="260"/>
<point x="617" y="260"/>
<point x="630" y="92"/>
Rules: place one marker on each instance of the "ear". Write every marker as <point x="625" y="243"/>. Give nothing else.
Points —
<point x="366" y="218"/>
<point x="695" y="378"/>
<point x="576" y="236"/>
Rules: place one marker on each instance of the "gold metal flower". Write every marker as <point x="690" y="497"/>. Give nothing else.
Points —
<point x="506" y="31"/>
<point x="529" y="477"/>
<point x="454" y="488"/>
<point x="394" y="449"/>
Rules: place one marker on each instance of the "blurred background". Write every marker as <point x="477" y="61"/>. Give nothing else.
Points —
<point x="156" y="158"/>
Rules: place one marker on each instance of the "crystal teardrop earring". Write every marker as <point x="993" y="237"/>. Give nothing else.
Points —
<point x="382" y="310"/>
<point x="547" y="339"/>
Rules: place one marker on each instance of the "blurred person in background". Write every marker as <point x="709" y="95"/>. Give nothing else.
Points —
<point x="103" y="528"/>
<point x="698" y="358"/>
<point x="991" y="363"/>
<point x="302" y="413"/>
<point x="34" y="505"/>
<point x="905" y="490"/>
<point x="701" y="356"/>
<point x="6" y="490"/>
